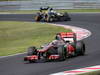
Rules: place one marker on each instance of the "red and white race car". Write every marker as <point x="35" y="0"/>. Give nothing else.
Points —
<point x="65" y="45"/>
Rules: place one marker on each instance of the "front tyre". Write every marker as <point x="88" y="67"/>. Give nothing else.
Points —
<point x="32" y="51"/>
<point x="49" y="18"/>
<point x="62" y="53"/>
<point x="37" y="17"/>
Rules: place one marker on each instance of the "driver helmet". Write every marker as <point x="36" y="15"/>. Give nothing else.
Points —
<point x="51" y="9"/>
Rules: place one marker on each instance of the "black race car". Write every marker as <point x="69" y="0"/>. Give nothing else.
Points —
<point x="63" y="47"/>
<point x="49" y="15"/>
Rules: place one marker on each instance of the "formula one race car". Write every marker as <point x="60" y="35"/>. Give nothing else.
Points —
<point x="49" y="15"/>
<point x="64" y="46"/>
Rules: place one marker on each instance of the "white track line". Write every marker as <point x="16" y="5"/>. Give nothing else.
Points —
<point x="5" y="13"/>
<point x="81" y="34"/>
<point x="12" y="55"/>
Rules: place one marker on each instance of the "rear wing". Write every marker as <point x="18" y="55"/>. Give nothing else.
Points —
<point x="68" y="34"/>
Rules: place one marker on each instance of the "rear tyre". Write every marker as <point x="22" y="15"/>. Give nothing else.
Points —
<point x="80" y="48"/>
<point x="66" y="17"/>
<point x="32" y="51"/>
<point x="83" y="50"/>
<point x="62" y="53"/>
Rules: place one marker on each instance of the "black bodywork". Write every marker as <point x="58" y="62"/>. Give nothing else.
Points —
<point x="47" y="16"/>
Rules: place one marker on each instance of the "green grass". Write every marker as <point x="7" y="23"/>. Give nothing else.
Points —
<point x="34" y="11"/>
<point x="16" y="37"/>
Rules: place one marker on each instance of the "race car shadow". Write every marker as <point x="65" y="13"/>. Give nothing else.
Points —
<point x="51" y="21"/>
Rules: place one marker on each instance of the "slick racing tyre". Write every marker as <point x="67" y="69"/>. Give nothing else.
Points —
<point x="62" y="53"/>
<point x="83" y="49"/>
<point x="49" y="18"/>
<point x="37" y="17"/>
<point x="80" y="48"/>
<point x="66" y="17"/>
<point x="32" y="51"/>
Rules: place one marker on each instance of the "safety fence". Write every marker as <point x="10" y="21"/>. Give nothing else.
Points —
<point x="57" y="4"/>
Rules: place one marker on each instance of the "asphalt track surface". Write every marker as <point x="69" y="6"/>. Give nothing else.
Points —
<point x="16" y="66"/>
